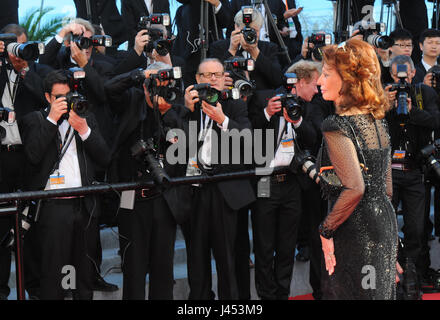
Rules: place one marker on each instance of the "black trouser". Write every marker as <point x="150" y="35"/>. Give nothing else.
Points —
<point x="304" y="225"/>
<point x="11" y="178"/>
<point x="316" y="209"/>
<point x="275" y="223"/>
<point x="147" y="236"/>
<point x="213" y="226"/>
<point x="66" y="229"/>
<point x="408" y="187"/>
<point x="242" y="253"/>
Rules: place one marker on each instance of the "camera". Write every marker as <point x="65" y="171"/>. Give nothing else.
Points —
<point x="157" y="41"/>
<point x="212" y="96"/>
<point x="303" y="160"/>
<point x="368" y="30"/>
<point x="171" y="91"/>
<point x="95" y="41"/>
<point x="76" y="101"/>
<point x="249" y="34"/>
<point x="236" y="68"/>
<point x="319" y="40"/>
<point x="435" y="80"/>
<point x="29" y="212"/>
<point x="403" y="89"/>
<point x="27" y="51"/>
<point x="146" y="151"/>
<point x="7" y="115"/>
<point x="146" y="21"/>
<point x="429" y="153"/>
<point x="289" y="101"/>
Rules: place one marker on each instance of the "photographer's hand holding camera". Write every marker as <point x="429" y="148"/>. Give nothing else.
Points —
<point x="244" y="42"/>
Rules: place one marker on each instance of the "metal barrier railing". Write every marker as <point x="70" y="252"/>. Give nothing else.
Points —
<point x="13" y="200"/>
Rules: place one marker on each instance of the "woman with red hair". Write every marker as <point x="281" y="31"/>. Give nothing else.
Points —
<point x="359" y="235"/>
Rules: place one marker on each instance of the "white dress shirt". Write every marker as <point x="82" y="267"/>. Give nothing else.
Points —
<point x="69" y="165"/>
<point x="12" y="133"/>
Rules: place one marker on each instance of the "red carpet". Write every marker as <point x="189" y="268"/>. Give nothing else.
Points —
<point x="426" y="296"/>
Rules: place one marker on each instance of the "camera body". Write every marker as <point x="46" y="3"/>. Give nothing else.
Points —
<point x="249" y="34"/>
<point x="95" y="41"/>
<point x="154" y="83"/>
<point x="431" y="153"/>
<point x="236" y="68"/>
<point x="372" y="34"/>
<point x="289" y="101"/>
<point x="146" y="152"/>
<point x="157" y="41"/>
<point x="156" y="18"/>
<point x="319" y="40"/>
<point x="403" y="89"/>
<point x="28" y="51"/>
<point x="212" y="96"/>
<point x="435" y="81"/>
<point x="75" y="101"/>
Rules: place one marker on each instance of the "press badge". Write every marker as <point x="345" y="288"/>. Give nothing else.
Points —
<point x="263" y="188"/>
<point x="57" y="181"/>
<point x="287" y="146"/>
<point x="399" y="154"/>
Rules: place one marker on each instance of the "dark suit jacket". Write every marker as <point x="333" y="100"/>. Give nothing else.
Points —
<point x="236" y="193"/>
<point x="267" y="73"/>
<point x="97" y="72"/>
<point x="187" y="41"/>
<point x="133" y="10"/>
<point x="420" y="73"/>
<point x="127" y="101"/>
<point x="104" y="12"/>
<point x="9" y="12"/>
<point x="30" y="93"/>
<point x="40" y="141"/>
<point x="306" y="132"/>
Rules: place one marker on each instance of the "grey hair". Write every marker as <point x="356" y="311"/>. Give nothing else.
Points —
<point x="402" y="60"/>
<point x="159" y="65"/>
<point x="209" y="60"/>
<point x="257" y="19"/>
<point x="304" y="69"/>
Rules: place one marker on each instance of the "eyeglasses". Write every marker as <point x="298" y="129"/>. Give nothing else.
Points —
<point x="408" y="46"/>
<point x="208" y="75"/>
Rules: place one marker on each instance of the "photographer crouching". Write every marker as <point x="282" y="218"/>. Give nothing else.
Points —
<point x="147" y="218"/>
<point x="413" y="116"/>
<point x="277" y="211"/>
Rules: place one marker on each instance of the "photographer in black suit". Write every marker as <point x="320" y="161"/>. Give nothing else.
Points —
<point x="267" y="73"/>
<point x="105" y="13"/>
<point x="63" y="152"/>
<point x="213" y="220"/>
<point x="133" y="10"/>
<point x="21" y="88"/>
<point x="276" y="215"/>
<point x="408" y="136"/>
<point x="188" y="43"/>
<point x="147" y="224"/>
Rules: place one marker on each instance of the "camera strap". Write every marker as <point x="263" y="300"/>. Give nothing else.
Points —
<point x="13" y="92"/>
<point x="63" y="146"/>
<point x="419" y="96"/>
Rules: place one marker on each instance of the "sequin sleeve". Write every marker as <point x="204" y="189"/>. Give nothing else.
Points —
<point x="345" y="161"/>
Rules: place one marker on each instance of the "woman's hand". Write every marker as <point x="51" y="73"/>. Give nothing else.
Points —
<point x="399" y="271"/>
<point x="329" y="254"/>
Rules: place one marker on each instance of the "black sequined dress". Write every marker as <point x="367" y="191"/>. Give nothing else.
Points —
<point x="361" y="218"/>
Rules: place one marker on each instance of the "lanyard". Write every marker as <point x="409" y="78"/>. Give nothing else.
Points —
<point x="287" y="7"/>
<point x="13" y="92"/>
<point x="63" y="146"/>
<point x="204" y="127"/>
